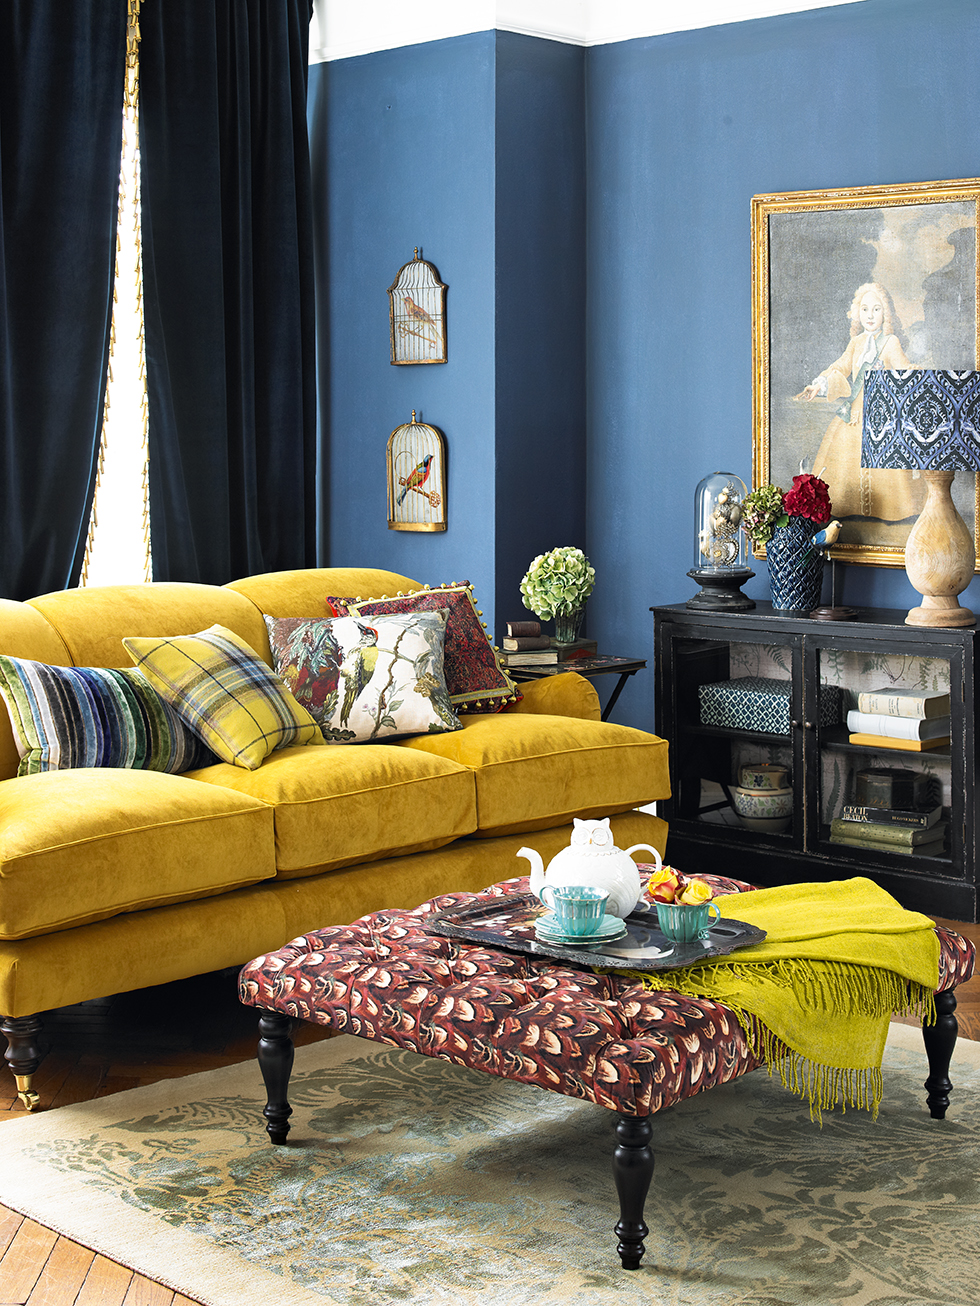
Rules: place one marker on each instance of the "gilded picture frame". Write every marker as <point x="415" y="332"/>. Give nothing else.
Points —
<point x="821" y="262"/>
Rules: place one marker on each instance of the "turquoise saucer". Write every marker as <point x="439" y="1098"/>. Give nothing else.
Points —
<point x="610" y="928"/>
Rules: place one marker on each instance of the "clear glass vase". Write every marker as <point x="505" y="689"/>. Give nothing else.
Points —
<point x="567" y="625"/>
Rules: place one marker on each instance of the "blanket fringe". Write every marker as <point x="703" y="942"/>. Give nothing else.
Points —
<point x="836" y="988"/>
<point x="823" y="1087"/>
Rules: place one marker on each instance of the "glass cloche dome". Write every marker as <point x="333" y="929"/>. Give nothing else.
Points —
<point x="720" y="545"/>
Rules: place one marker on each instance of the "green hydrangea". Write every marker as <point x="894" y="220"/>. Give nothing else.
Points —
<point x="762" y="511"/>
<point x="558" y="582"/>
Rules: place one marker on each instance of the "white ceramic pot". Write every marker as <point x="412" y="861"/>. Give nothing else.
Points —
<point x="763" y="804"/>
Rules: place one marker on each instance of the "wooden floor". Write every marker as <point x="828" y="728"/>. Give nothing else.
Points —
<point x="116" y="1043"/>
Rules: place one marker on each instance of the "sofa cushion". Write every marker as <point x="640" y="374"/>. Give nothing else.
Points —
<point x="223" y="690"/>
<point x="337" y="806"/>
<point x="366" y="680"/>
<point x="536" y="771"/>
<point x="476" y="680"/>
<point x="80" y="846"/>
<point x="67" y="717"/>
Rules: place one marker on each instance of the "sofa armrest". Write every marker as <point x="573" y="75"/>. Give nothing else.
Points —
<point x="567" y="694"/>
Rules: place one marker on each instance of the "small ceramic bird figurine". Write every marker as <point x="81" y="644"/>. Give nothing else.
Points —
<point x="417" y="477"/>
<point x="357" y="669"/>
<point x="828" y="536"/>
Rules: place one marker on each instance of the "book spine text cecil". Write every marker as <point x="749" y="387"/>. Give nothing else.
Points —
<point x="889" y="816"/>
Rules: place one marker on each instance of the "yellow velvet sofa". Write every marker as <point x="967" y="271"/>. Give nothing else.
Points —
<point x="113" y="879"/>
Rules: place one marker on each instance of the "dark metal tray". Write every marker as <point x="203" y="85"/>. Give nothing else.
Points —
<point x="508" y="922"/>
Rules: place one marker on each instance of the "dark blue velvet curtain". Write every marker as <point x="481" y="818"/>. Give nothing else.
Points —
<point x="228" y="286"/>
<point x="61" y="91"/>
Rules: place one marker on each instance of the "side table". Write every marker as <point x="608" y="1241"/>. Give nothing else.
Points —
<point x="588" y="667"/>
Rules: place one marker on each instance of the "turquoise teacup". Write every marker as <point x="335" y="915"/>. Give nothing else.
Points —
<point x="578" y="909"/>
<point x="683" y="922"/>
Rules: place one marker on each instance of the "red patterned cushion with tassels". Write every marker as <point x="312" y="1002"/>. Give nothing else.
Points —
<point x="474" y="677"/>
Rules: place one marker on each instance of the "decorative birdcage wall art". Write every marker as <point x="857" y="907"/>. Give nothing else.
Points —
<point x="417" y="311"/>
<point x="416" y="478"/>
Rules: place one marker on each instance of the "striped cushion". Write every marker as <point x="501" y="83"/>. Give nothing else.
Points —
<point x="68" y="717"/>
<point x="222" y="689"/>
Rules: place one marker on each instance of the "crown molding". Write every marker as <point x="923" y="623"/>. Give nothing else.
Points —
<point x="342" y="30"/>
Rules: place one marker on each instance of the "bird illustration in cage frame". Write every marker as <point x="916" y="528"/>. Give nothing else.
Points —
<point x="417" y="314"/>
<point x="416" y="478"/>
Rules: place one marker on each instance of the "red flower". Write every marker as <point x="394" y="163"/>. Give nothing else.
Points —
<point x="809" y="497"/>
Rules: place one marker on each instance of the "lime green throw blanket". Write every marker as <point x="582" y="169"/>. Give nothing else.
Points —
<point x="815" y="999"/>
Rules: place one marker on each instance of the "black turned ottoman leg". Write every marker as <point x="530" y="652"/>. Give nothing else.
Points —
<point x="276" y="1063"/>
<point x="23" y="1054"/>
<point x="940" y="1040"/>
<point x="632" y="1170"/>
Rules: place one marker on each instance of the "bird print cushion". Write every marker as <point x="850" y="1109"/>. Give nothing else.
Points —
<point x="474" y="677"/>
<point x="363" y="679"/>
<point x="220" y="687"/>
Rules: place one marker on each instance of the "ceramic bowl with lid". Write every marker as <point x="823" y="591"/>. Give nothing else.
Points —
<point x="762" y="804"/>
<point x="763" y="775"/>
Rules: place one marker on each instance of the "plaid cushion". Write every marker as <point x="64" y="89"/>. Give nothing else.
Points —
<point x="67" y="717"/>
<point x="474" y="677"/>
<point x="222" y="689"/>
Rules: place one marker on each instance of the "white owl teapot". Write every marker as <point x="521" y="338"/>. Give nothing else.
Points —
<point x="593" y="858"/>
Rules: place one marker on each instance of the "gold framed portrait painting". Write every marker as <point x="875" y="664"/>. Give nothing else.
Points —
<point x="844" y="281"/>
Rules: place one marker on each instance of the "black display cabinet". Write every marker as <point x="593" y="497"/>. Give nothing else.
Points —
<point x="826" y="665"/>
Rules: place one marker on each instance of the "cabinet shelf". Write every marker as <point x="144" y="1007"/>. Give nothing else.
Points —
<point x="837" y="737"/>
<point x="875" y="648"/>
<point x="733" y="732"/>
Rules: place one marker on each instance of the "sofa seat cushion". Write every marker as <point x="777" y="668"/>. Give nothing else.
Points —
<point x="82" y="845"/>
<point x="338" y="806"/>
<point x="536" y="771"/>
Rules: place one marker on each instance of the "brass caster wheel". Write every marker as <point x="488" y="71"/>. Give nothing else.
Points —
<point x="28" y="1096"/>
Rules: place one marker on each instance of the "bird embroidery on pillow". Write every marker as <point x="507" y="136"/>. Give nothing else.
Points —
<point x="357" y="669"/>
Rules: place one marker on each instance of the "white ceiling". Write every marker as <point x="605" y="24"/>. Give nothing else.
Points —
<point x="343" y="28"/>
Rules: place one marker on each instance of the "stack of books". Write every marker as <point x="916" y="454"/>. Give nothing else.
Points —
<point x="525" y="646"/>
<point x="917" y="833"/>
<point x="907" y="719"/>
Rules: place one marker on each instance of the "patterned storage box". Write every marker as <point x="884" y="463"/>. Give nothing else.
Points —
<point x="755" y="703"/>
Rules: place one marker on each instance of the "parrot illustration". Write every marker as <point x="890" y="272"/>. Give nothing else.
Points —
<point x="417" y="477"/>
<point x="357" y="669"/>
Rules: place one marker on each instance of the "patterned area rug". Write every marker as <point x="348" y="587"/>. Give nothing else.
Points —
<point x="409" y="1180"/>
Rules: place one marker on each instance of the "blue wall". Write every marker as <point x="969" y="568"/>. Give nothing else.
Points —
<point x="541" y="295"/>
<point x="405" y="142"/>
<point x="682" y="131"/>
<point x="473" y="149"/>
<point x="482" y="150"/>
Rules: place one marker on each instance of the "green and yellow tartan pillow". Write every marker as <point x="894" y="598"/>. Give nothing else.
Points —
<point x="225" y="693"/>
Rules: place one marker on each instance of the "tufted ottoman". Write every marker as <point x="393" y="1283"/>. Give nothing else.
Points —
<point x="588" y="1034"/>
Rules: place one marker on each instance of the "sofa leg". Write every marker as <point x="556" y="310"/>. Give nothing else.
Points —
<point x="276" y="1064"/>
<point x="940" y="1040"/>
<point x="23" y="1054"/>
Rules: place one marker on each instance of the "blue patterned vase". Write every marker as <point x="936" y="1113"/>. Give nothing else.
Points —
<point x="795" y="566"/>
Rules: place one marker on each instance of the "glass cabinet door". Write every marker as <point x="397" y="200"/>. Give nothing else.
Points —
<point x="887" y="788"/>
<point x="736" y="758"/>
